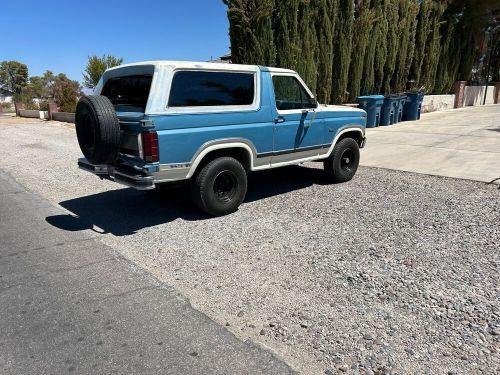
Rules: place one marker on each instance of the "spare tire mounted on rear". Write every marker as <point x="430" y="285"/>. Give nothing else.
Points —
<point x="97" y="129"/>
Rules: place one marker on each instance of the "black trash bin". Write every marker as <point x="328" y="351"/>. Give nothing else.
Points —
<point x="372" y="104"/>
<point x="413" y="106"/>
<point x="388" y="113"/>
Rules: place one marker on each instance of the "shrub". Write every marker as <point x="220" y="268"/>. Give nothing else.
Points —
<point x="43" y="105"/>
<point x="32" y="105"/>
<point x="7" y="107"/>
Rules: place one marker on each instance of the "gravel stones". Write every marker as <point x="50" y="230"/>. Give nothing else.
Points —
<point x="339" y="278"/>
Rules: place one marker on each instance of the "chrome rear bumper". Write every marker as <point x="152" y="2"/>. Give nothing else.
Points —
<point x="126" y="177"/>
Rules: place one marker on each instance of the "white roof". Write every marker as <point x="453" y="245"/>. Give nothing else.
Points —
<point x="202" y="65"/>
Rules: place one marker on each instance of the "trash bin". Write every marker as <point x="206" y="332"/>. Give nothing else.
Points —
<point x="413" y="106"/>
<point x="372" y="104"/>
<point x="399" y="108"/>
<point x="388" y="113"/>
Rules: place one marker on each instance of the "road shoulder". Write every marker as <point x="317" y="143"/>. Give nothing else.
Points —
<point x="70" y="303"/>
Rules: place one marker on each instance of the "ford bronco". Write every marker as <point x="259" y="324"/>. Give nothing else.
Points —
<point x="154" y="123"/>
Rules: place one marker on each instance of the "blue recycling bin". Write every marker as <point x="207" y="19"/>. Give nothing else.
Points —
<point x="388" y="113"/>
<point x="400" y="108"/>
<point x="413" y="106"/>
<point x="372" y="104"/>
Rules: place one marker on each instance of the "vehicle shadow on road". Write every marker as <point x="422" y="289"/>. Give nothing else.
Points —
<point x="123" y="212"/>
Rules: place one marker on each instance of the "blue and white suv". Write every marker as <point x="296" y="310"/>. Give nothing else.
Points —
<point x="152" y="123"/>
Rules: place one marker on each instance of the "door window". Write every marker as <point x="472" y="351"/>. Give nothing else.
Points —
<point x="290" y="94"/>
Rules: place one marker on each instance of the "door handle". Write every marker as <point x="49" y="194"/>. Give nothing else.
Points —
<point x="279" y="119"/>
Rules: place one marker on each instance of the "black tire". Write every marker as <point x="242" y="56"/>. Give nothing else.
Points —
<point x="97" y="129"/>
<point x="220" y="186"/>
<point x="343" y="163"/>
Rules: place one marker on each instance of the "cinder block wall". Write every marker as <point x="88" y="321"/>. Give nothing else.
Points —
<point x="63" y="116"/>
<point x="434" y="103"/>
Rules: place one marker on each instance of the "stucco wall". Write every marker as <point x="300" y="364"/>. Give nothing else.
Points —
<point x="474" y="95"/>
<point x="33" y="113"/>
<point x="63" y="116"/>
<point x="434" y="103"/>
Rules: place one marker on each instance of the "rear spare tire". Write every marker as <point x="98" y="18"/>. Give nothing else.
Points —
<point x="97" y="129"/>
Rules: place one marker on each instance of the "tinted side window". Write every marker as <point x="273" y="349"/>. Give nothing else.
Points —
<point x="290" y="94"/>
<point x="192" y="89"/>
<point x="128" y="93"/>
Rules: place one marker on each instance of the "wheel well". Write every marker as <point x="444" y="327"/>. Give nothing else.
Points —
<point x="354" y="134"/>
<point x="238" y="153"/>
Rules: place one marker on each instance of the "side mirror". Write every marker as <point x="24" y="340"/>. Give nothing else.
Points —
<point x="314" y="103"/>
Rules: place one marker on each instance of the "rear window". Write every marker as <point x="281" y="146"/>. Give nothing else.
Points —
<point x="204" y="89"/>
<point x="128" y="93"/>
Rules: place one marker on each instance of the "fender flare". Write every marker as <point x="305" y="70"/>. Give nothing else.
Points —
<point x="221" y="145"/>
<point x="357" y="128"/>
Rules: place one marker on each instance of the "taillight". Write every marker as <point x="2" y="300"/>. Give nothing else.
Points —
<point x="150" y="146"/>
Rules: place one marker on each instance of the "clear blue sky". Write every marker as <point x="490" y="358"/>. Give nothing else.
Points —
<point x="58" y="35"/>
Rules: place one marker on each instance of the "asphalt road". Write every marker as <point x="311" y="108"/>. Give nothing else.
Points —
<point x="69" y="303"/>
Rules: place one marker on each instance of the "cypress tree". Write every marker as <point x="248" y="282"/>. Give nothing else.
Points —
<point x="407" y="27"/>
<point x="380" y="43"/>
<point x="264" y="35"/>
<point x="362" y="27"/>
<point x="342" y="48"/>
<point x="448" y="65"/>
<point x="307" y="65"/>
<point x="368" y="80"/>
<point x="392" y="17"/>
<point x="286" y="32"/>
<point x="325" y="23"/>
<point x="472" y="16"/>
<point x="424" y="22"/>
<point x="250" y="31"/>
<point x="432" y="47"/>
<point x="390" y="41"/>
<point x="239" y="29"/>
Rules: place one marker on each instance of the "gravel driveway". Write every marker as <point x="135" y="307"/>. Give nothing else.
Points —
<point x="392" y="272"/>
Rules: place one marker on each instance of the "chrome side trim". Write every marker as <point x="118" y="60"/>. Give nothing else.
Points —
<point x="291" y="156"/>
<point x="343" y="130"/>
<point x="171" y="174"/>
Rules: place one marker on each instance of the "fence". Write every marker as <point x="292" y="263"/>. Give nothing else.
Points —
<point x="474" y="95"/>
